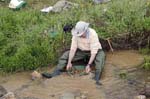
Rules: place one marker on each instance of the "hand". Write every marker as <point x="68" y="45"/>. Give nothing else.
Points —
<point x="87" y="69"/>
<point x="69" y="66"/>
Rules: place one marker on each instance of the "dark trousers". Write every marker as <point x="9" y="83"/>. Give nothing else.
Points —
<point x="79" y="55"/>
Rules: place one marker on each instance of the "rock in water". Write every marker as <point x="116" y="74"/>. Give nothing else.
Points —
<point x="9" y="95"/>
<point x="2" y="91"/>
<point x="35" y="75"/>
<point x="140" y="97"/>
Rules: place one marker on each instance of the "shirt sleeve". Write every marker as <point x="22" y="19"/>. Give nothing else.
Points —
<point x="74" y="43"/>
<point x="94" y="43"/>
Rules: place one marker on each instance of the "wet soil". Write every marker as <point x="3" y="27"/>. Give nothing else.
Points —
<point x="121" y="79"/>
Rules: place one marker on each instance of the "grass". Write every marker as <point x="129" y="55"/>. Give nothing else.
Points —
<point x="26" y="40"/>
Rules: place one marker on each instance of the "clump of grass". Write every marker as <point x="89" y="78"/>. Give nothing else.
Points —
<point x="146" y="65"/>
<point x="145" y="51"/>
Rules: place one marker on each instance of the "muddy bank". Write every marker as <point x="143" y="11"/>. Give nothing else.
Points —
<point x="115" y="86"/>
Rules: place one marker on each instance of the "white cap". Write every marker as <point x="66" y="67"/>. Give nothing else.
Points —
<point x="80" y="28"/>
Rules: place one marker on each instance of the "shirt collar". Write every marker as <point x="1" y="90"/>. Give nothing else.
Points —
<point x="87" y="33"/>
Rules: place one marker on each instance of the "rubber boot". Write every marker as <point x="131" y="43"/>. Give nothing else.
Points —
<point x="48" y="75"/>
<point x="56" y="73"/>
<point x="97" y="77"/>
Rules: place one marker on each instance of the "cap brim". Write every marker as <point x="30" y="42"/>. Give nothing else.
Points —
<point x="76" y="33"/>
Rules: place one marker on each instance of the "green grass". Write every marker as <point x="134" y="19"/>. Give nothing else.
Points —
<point x="146" y="53"/>
<point x="146" y="65"/>
<point x="26" y="42"/>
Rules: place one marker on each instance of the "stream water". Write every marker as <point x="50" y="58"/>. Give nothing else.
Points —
<point x="121" y="79"/>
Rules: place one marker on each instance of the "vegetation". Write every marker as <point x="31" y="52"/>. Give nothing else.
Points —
<point x="146" y="65"/>
<point x="146" y="53"/>
<point x="30" y="39"/>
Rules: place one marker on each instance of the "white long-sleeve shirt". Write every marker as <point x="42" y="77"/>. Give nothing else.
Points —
<point x="90" y="43"/>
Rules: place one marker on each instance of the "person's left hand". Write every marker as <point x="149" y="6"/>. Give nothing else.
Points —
<point x="87" y="69"/>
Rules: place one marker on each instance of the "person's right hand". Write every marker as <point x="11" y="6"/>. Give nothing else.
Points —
<point x="69" y="66"/>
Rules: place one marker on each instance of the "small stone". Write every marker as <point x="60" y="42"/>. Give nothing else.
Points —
<point x="9" y="95"/>
<point x="83" y="97"/>
<point x="35" y="75"/>
<point x="140" y="97"/>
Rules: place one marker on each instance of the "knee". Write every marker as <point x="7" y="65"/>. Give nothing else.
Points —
<point x="65" y="55"/>
<point x="102" y="54"/>
<point x="100" y="57"/>
<point x="99" y="68"/>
